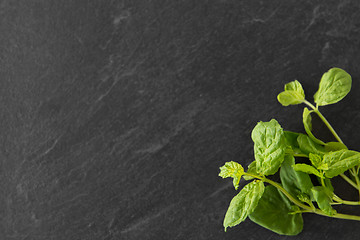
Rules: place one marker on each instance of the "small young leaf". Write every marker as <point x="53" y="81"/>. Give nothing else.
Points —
<point x="234" y="170"/>
<point x="304" y="198"/>
<point x="251" y="169"/>
<point x="334" y="85"/>
<point x="340" y="161"/>
<point x="269" y="147"/>
<point x="323" y="199"/>
<point x="309" y="146"/>
<point x="293" y="94"/>
<point x="243" y="204"/>
<point x="294" y="182"/>
<point x="307" y="169"/>
<point x="308" y="126"/>
<point x="315" y="159"/>
<point x="273" y="213"/>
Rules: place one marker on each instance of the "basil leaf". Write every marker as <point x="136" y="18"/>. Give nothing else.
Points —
<point x="293" y="94"/>
<point x="273" y="213"/>
<point x="234" y="170"/>
<point x="269" y="147"/>
<point x="308" y="126"/>
<point x="317" y="162"/>
<point x="340" y="161"/>
<point x="329" y="185"/>
<point x="334" y="146"/>
<point x="291" y="142"/>
<point x="294" y="182"/>
<point x="334" y="85"/>
<point x="301" y="167"/>
<point x="309" y="146"/>
<point x="304" y="198"/>
<point x="322" y="198"/>
<point x="251" y="169"/>
<point x="243" y="204"/>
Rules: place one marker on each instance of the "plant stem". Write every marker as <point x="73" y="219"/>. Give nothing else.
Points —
<point x="339" y="200"/>
<point x="351" y="182"/>
<point x="344" y="216"/>
<point x="300" y="204"/>
<point x="286" y="193"/>
<point x="316" y="110"/>
<point x="332" y="130"/>
<point x="322" y="182"/>
<point x="353" y="171"/>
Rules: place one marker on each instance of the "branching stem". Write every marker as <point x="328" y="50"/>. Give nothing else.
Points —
<point x="300" y="204"/>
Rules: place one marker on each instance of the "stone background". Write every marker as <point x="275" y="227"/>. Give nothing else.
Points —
<point x="116" y="115"/>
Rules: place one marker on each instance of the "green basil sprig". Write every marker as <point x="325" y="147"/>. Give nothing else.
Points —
<point x="278" y="206"/>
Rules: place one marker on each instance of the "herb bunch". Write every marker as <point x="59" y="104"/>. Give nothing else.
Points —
<point x="279" y="206"/>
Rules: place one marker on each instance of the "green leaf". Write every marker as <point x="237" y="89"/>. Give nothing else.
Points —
<point x="304" y="198"/>
<point x="334" y="85"/>
<point x="307" y="145"/>
<point x="293" y="94"/>
<point x="334" y="146"/>
<point x="294" y="182"/>
<point x="308" y="126"/>
<point x="277" y="215"/>
<point x="251" y="169"/>
<point x="269" y="147"/>
<point x="317" y="161"/>
<point x="307" y="169"/>
<point x="291" y="142"/>
<point x="243" y="204"/>
<point x="340" y="161"/>
<point x="329" y="185"/>
<point x="321" y="196"/>
<point x="291" y="138"/>
<point x="234" y="170"/>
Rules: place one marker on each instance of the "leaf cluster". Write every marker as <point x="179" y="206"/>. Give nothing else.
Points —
<point x="279" y="206"/>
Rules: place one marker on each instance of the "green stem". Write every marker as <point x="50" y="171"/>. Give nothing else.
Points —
<point x="300" y="204"/>
<point x="339" y="200"/>
<point x="316" y="110"/>
<point x="332" y="130"/>
<point x="351" y="182"/>
<point x="322" y="182"/>
<point x="353" y="171"/>
<point x="344" y="216"/>
<point x="286" y="193"/>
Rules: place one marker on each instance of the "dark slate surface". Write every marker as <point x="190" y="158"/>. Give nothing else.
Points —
<point x="116" y="115"/>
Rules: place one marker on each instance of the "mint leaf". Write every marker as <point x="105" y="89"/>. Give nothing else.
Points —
<point x="293" y="94"/>
<point x="334" y="146"/>
<point x="334" y="85"/>
<point x="307" y="145"/>
<point x="273" y="213"/>
<point x="234" y="170"/>
<point x="251" y="169"/>
<point x="329" y="185"/>
<point x="294" y="182"/>
<point x="317" y="162"/>
<point x="269" y="147"/>
<point x="243" y="204"/>
<point x="291" y="142"/>
<point x="340" y="161"/>
<point x="322" y="198"/>
<point x="308" y="126"/>
<point x="301" y="167"/>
